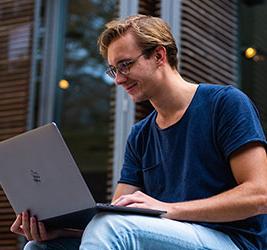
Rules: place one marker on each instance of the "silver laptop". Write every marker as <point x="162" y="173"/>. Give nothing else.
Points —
<point x="39" y="174"/>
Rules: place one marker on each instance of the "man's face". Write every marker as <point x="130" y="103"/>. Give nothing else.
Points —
<point x="137" y="78"/>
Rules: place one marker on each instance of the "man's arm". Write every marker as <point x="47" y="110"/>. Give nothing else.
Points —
<point x="248" y="198"/>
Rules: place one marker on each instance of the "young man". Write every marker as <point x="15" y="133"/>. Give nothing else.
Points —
<point x="200" y="156"/>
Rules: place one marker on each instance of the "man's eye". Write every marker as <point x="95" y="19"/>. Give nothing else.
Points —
<point x="125" y="64"/>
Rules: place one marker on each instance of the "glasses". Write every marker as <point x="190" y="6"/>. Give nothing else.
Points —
<point x="122" y="67"/>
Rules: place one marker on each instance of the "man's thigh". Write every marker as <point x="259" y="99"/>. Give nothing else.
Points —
<point x="113" y="231"/>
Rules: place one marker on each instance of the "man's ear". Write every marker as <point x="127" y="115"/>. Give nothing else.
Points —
<point x="160" y="55"/>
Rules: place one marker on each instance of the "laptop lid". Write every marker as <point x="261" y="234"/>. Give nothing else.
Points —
<point x="38" y="173"/>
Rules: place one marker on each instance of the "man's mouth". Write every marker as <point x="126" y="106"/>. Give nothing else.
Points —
<point x="130" y="87"/>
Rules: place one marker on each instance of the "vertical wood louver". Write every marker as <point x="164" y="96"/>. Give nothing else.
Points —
<point x="111" y="130"/>
<point x="152" y="8"/>
<point x="111" y="143"/>
<point x="209" y="41"/>
<point x="149" y="7"/>
<point x="16" y="24"/>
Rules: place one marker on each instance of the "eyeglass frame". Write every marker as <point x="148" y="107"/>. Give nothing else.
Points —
<point x="112" y="71"/>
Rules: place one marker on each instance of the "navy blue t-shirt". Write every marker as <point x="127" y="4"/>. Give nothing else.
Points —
<point x="190" y="159"/>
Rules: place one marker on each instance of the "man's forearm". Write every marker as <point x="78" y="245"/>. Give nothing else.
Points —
<point x="236" y="204"/>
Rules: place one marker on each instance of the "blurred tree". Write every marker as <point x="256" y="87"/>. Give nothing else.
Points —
<point x="86" y="101"/>
<point x="83" y="107"/>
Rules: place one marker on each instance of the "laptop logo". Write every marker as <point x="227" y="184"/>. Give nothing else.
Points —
<point x="35" y="176"/>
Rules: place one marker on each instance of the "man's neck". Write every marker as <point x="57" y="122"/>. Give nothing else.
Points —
<point x="172" y="99"/>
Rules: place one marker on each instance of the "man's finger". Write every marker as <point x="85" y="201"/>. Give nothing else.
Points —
<point x="26" y="225"/>
<point x="137" y="205"/>
<point x="129" y="199"/>
<point x="34" y="229"/>
<point x="42" y="231"/>
<point x="16" y="226"/>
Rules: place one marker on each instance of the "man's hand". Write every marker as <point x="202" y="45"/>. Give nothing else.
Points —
<point x="140" y="200"/>
<point x="33" y="229"/>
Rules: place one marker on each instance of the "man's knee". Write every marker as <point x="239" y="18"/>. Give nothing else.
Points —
<point x="106" y="230"/>
<point x="33" y="245"/>
<point x="57" y="244"/>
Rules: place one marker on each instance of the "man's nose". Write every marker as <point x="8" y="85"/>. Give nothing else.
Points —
<point x="120" y="78"/>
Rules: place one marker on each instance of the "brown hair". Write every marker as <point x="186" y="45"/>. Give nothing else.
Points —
<point x="150" y="32"/>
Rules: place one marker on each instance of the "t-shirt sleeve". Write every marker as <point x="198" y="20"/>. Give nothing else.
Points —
<point x="238" y="122"/>
<point x="131" y="172"/>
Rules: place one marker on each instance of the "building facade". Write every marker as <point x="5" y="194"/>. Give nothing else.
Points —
<point x="50" y="71"/>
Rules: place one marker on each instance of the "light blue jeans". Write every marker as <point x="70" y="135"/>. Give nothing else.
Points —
<point x="110" y="231"/>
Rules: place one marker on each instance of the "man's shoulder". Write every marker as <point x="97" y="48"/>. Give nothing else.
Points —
<point x="219" y="88"/>
<point x="140" y="130"/>
<point x="209" y="88"/>
<point x="145" y="122"/>
<point x="218" y="92"/>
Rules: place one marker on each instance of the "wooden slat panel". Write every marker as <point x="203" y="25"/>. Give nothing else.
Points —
<point x="197" y="59"/>
<point x="20" y="20"/>
<point x="5" y="236"/>
<point x="11" y="89"/>
<point x="152" y="8"/>
<point x="209" y="41"/>
<point x="16" y="25"/>
<point x="9" y="10"/>
<point x="111" y="129"/>
<point x="12" y="77"/>
<point x="111" y="143"/>
<point x="149" y="7"/>
<point x="223" y="19"/>
<point x="207" y="34"/>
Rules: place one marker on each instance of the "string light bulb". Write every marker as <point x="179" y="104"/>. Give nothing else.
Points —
<point x="250" y="52"/>
<point x="63" y="84"/>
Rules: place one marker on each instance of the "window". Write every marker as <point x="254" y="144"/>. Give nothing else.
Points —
<point x="84" y="98"/>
